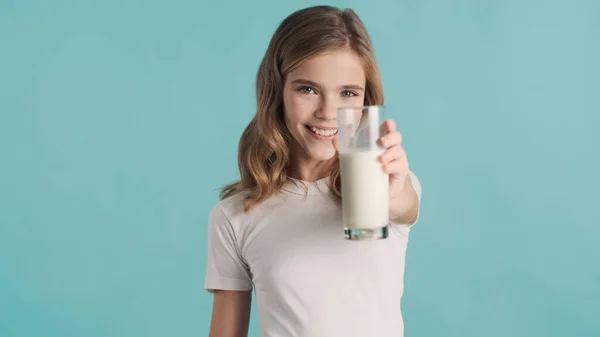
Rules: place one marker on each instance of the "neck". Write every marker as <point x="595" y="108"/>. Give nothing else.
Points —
<point x="310" y="170"/>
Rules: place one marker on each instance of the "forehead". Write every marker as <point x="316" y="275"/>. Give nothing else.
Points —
<point x="331" y="69"/>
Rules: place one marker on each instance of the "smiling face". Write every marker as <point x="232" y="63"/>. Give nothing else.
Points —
<point x="312" y="93"/>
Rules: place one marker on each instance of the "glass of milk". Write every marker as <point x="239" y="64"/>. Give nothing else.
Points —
<point x="364" y="184"/>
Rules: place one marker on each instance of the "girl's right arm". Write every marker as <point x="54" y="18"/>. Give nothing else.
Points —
<point x="231" y="313"/>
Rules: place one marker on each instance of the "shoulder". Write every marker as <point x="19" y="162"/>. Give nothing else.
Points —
<point x="230" y="211"/>
<point x="228" y="207"/>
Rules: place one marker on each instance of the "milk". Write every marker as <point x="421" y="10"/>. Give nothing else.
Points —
<point x="365" y="190"/>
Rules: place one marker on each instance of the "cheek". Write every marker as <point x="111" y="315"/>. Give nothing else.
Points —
<point x="357" y="101"/>
<point x="300" y="108"/>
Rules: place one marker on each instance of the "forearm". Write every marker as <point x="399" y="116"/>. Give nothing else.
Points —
<point x="404" y="203"/>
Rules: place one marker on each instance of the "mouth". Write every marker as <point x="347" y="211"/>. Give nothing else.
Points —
<point x="323" y="133"/>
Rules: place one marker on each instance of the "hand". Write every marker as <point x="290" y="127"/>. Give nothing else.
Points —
<point x="395" y="163"/>
<point x="403" y="198"/>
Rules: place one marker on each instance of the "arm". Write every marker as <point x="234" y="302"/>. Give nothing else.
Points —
<point x="231" y="313"/>
<point x="406" y="201"/>
<point x="405" y="189"/>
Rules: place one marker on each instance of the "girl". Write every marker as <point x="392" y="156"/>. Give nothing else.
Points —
<point x="278" y="230"/>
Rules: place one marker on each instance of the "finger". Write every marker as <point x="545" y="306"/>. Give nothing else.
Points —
<point x="391" y="154"/>
<point x="335" y="144"/>
<point x="391" y="139"/>
<point x="388" y="126"/>
<point x="395" y="167"/>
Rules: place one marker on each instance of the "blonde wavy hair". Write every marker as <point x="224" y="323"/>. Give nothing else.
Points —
<point x="263" y="153"/>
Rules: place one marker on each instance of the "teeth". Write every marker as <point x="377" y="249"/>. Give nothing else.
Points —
<point x="324" y="133"/>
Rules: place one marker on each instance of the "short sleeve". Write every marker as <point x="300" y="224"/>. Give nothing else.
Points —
<point x="225" y="268"/>
<point x="417" y="187"/>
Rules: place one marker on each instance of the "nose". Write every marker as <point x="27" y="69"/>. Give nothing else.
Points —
<point x="327" y="109"/>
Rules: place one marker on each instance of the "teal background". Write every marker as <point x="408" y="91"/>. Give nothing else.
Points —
<point x="119" y="121"/>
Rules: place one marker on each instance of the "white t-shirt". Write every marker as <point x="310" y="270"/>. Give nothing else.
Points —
<point x="308" y="279"/>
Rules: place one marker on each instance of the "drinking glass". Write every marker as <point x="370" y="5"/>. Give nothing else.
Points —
<point x="364" y="184"/>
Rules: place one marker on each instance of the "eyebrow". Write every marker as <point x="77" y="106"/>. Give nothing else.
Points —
<point x="302" y="81"/>
<point x="353" y="87"/>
